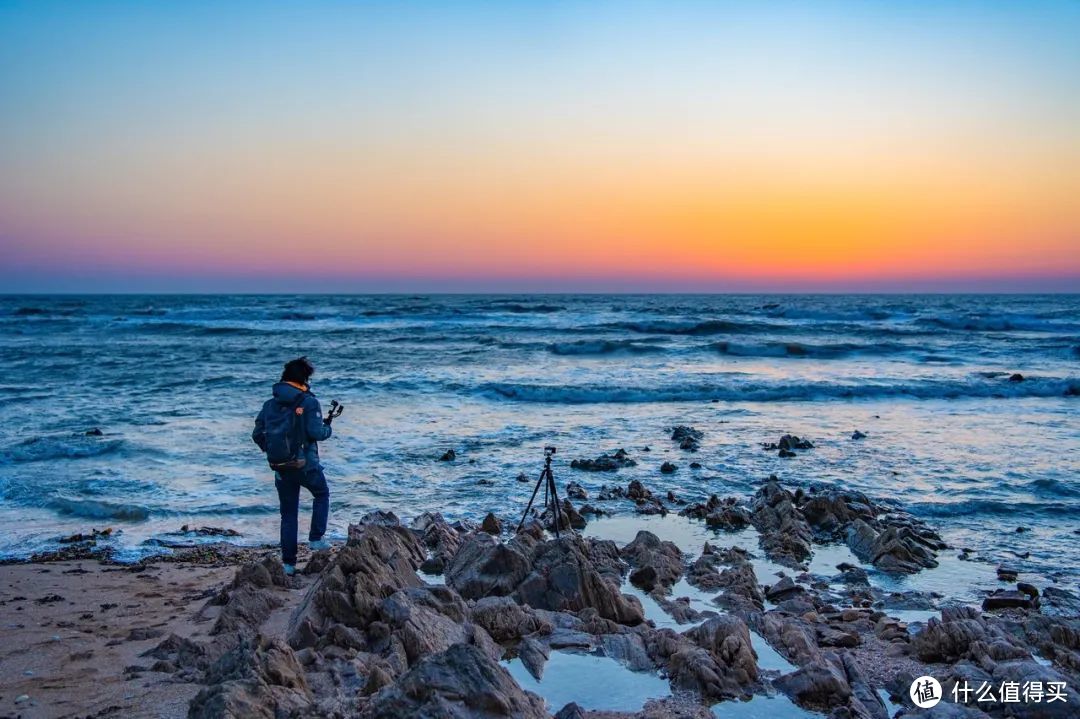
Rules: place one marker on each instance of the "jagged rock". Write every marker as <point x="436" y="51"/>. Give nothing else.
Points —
<point x="714" y="659"/>
<point x="636" y="490"/>
<point x="610" y="493"/>
<point x="448" y="456"/>
<point x="564" y="578"/>
<point x="506" y="620"/>
<point x="786" y="588"/>
<point x="858" y="435"/>
<point x="687" y="437"/>
<point x="785" y="535"/>
<point x="656" y="563"/>
<point x="964" y="633"/>
<point x="461" y="682"/>
<point x="485" y="567"/>
<point x="576" y="491"/>
<point x="263" y="680"/>
<point x="534" y="655"/>
<point x="428" y="620"/>
<point x="605" y="462"/>
<point x="573" y="517"/>
<point x="377" y="560"/>
<point x="570" y="711"/>
<point x="898" y="550"/>
<point x="819" y="684"/>
<point x="491" y="525"/>
<point x="668" y="468"/>
<point x="1009" y="599"/>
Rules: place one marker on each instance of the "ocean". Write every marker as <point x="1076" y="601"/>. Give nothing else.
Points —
<point x="174" y="382"/>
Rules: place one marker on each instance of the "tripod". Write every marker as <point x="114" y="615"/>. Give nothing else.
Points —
<point x="548" y="480"/>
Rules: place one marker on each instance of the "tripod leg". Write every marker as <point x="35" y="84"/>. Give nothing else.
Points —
<point x="531" y="500"/>
<point x="554" y="501"/>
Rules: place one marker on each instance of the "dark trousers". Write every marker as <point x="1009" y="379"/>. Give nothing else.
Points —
<point x="288" y="485"/>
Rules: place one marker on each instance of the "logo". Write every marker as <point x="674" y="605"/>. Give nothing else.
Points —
<point x="925" y="692"/>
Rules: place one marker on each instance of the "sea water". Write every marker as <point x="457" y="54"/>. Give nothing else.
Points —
<point x="174" y="382"/>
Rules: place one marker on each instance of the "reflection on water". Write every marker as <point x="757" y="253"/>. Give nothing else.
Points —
<point x="763" y="707"/>
<point x="592" y="680"/>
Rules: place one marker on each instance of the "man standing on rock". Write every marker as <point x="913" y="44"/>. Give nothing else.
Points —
<point x="288" y="430"/>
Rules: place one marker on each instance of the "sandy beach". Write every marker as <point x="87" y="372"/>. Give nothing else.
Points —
<point x="75" y="633"/>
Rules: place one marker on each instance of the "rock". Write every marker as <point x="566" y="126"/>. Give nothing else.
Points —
<point x="573" y="517"/>
<point x="636" y="491"/>
<point x="576" y="491"/>
<point x="786" y="454"/>
<point x="491" y="525"/>
<point x="506" y="620"/>
<point x="377" y="679"/>
<point x="94" y="432"/>
<point x="565" y="578"/>
<point x="898" y="550"/>
<point x="534" y="655"/>
<point x="570" y="711"/>
<point x="1006" y="573"/>
<point x="687" y="437"/>
<point x="785" y="535"/>
<point x="448" y="456"/>
<point x="484" y="567"/>
<point x="819" y="684"/>
<point x="858" y="435"/>
<point x="695" y="465"/>
<point x="656" y="563"/>
<point x="1017" y="377"/>
<point x="786" y="588"/>
<point x="668" y="468"/>
<point x="462" y="681"/>
<point x="788" y="443"/>
<point x="964" y="633"/>
<point x="605" y="462"/>
<point x="1009" y="599"/>
<point x="523" y="478"/>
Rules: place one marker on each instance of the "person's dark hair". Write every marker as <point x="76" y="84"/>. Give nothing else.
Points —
<point x="298" y="370"/>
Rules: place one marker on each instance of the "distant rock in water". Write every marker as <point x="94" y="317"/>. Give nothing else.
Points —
<point x="668" y="468"/>
<point x="1016" y="377"/>
<point x="605" y="462"/>
<point x="448" y="456"/>
<point x="576" y="491"/>
<point x="688" y="438"/>
<point x="858" y="435"/>
<point x="94" y="432"/>
<point x="787" y="445"/>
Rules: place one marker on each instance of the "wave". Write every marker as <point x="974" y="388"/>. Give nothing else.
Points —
<point x="100" y="509"/>
<point x="1002" y="323"/>
<point x="751" y="391"/>
<point x="799" y="349"/>
<point x="603" y="347"/>
<point x="40" y="449"/>
<point x="790" y="313"/>
<point x="993" y="507"/>
<point x="1054" y="487"/>
<point x="707" y="327"/>
<point x="518" y="308"/>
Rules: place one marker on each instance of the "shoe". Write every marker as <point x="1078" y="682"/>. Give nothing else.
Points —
<point x="290" y="570"/>
<point x="318" y="544"/>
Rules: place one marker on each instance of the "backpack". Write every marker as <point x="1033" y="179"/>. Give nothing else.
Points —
<point x="284" y="428"/>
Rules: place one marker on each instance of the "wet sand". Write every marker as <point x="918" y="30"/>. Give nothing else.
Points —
<point x="73" y="633"/>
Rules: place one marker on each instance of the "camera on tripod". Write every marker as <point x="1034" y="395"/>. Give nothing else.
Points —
<point x="551" y="497"/>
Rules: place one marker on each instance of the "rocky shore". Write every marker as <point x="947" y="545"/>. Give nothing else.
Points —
<point x="426" y="618"/>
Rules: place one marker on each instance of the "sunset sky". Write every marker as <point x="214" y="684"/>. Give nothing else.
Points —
<point x="698" y="146"/>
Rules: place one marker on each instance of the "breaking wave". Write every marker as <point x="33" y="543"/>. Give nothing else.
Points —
<point x="750" y="391"/>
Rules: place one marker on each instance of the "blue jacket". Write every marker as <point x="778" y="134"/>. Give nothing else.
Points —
<point x="314" y="428"/>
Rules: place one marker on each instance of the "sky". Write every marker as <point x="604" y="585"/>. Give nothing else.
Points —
<point x="539" y="146"/>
